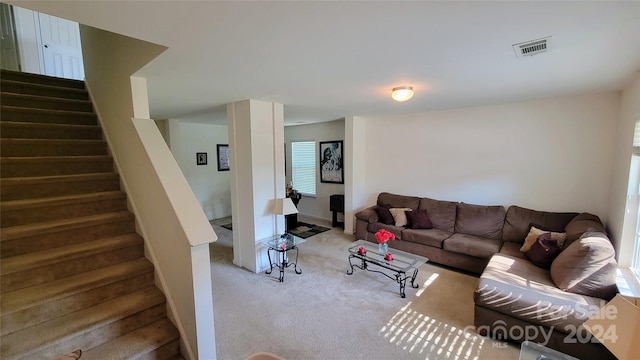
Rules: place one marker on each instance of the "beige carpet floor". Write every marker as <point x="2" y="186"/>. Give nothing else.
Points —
<point x="326" y="314"/>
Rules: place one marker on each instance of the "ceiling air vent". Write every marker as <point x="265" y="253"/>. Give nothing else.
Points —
<point x="533" y="47"/>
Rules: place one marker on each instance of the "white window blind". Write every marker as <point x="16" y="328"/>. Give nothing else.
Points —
<point x="303" y="166"/>
<point x="636" y="139"/>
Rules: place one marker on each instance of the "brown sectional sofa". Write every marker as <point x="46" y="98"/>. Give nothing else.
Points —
<point x="463" y="236"/>
<point x="513" y="294"/>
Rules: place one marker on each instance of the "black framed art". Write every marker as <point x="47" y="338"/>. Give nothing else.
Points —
<point x="331" y="169"/>
<point x="223" y="157"/>
<point x="201" y="158"/>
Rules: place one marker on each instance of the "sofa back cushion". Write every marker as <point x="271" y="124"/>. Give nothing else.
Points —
<point x="441" y="213"/>
<point x="480" y="220"/>
<point x="398" y="201"/>
<point x="587" y="267"/>
<point x="580" y="224"/>
<point x="518" y="221"/>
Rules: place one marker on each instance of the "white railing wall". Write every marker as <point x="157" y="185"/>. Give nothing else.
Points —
<point x="175" y="229"/>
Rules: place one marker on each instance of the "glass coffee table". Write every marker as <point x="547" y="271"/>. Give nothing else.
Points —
<point x="280" y="246"/>
<point x="403" y="266"/>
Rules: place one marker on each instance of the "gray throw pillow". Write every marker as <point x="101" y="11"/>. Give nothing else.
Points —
<point x="587" y="267"/>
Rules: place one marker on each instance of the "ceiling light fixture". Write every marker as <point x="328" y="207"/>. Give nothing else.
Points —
<point x="402" y="93"/>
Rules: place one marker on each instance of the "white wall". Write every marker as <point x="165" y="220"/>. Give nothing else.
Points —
<point x="175" y="230"/>
<point x="621" y="222"/>
<point x="210" y="186"/>
<point x="553" y="155"/>
<point x="317" y="206"/>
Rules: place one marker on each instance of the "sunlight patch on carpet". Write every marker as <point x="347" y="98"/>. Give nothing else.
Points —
<point x="427" y="283"/>
<point x="415" y="332"/>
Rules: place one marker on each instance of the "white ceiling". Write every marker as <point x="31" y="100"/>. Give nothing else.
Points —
<point x="326" y="60"/>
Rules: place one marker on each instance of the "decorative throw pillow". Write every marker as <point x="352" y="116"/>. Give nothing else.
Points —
<point x="543" y="251"/>
<point x="587" y="267"/>
<point x="385" y="215"/>
<point x="399" y="216"/>
<point x="418" y="219"/>
<point x="535" y="231"/>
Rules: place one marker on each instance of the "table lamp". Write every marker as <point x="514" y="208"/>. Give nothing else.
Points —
<point x="617" y="327"/>
<point x="284" y="206"/>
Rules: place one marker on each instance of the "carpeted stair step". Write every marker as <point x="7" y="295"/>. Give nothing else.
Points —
<point x="45" y="102"/>
<point x="29" y="211"/>
<point x="46" y="186"/>
<point x="18" y="272"/>
<point x="54" y="165"/>
<point x="23" y="130"/>
<point x="41" y="79"/>
<point x="24" y="239"/>
<point x="31" y="88"/>
<point x="51" y="147"/>
<point x="30" y="306"/>
<point x="87" y="328"/>
<point x="159" y="340"/>
<point x="25" y="114"/>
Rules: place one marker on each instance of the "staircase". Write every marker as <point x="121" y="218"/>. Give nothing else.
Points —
<point x="73" y="272"/>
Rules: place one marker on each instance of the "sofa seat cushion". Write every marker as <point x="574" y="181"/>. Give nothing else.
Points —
<point x="480" y="220"/>
<point x="512" y="249"/>
<point x="516" y="287"/>
<point x="395" y="230"/>
<point x="441" y="213"/>
<point x="431" y="237"/>
<point x="472" y="245"/>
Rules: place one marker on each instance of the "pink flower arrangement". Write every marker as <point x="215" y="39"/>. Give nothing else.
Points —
<point x="384" y="235"/>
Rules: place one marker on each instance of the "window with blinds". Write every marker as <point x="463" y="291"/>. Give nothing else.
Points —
<point x="303" y="166"/>
<point x="636" y="139"/>
<point x="635" y="260"/>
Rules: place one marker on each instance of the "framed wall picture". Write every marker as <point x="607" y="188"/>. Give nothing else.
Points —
<point x="223" y="157"/>
<point x="201" y="158"/>
<point x="331" y="169"/>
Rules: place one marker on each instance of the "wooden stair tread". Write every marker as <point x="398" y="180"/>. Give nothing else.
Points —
<point x="33" y="260"/>
<point x="58" y="330"/>
<point x="136" y="343"/>
<point x="13" y="232"/>
<point x="51" y="291"/>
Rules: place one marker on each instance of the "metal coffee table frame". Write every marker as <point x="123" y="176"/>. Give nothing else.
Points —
<point x="404" y="265"/>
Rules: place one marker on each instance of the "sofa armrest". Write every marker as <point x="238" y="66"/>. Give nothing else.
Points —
<point x="369" y="214"/>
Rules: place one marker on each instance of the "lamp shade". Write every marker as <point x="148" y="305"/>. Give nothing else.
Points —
<point x="617" y="327"/>
<point x="284" y="207"/>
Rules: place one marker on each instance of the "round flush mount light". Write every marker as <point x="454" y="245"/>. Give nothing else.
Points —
<point x="402" y="93"/>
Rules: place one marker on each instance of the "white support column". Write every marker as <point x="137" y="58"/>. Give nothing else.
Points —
<point x="256" y="151"/>
<point x="354" y="165"/>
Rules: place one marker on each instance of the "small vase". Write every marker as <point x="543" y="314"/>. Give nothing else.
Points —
<point x="382" y="248"/>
